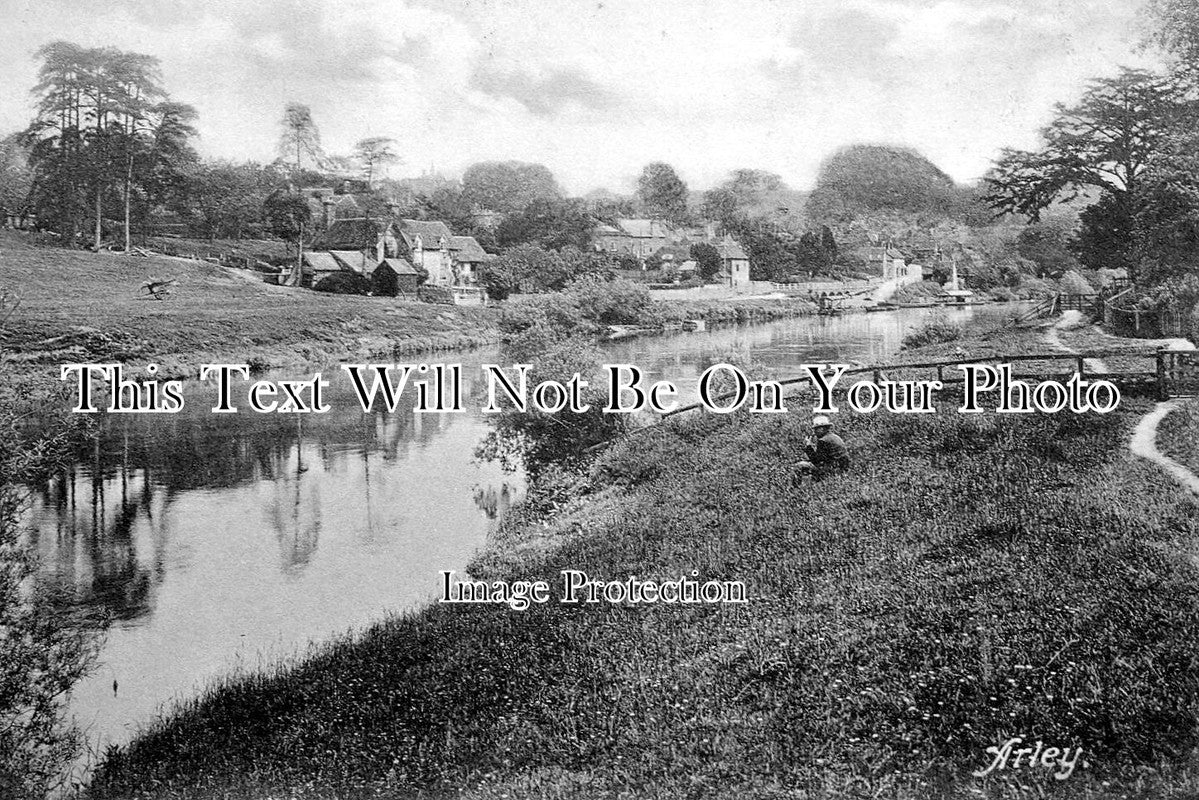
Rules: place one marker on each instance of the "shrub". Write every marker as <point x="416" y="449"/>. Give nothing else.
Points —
<point x="41" y="657"/>
<point x="1074" y="283"/>
<point x="610" y="302"/>
<point x="344" y="283"/>
<point x="435" y="294"/>
<point x="937" y="330"/>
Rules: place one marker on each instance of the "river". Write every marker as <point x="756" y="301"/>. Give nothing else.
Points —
<point x="217" y="543"/>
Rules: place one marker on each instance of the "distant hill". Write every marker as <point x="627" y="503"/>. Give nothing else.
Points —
<point x="861" y="179"/>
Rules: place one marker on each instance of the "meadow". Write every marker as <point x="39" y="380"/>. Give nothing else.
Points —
<point x="970" y="580"/>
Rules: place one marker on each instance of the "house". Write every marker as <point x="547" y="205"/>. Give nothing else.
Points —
<point x="394" y="276"/>
<point x="428" y="246"/>
<point x="734" y="263"/>
<point x="448" y="259"/>
<point x="316" y="266"/>
<point x="636" y="237"/>
<point x="359" y="244"/>
<point x="468" y="256"/>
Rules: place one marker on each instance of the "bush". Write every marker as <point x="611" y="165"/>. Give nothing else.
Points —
<point x="1074" y="283"/>
<point x="610" y="302"/>
<point x="344" y="283"/>
<point x="41" y="658"/>
<point x="936" y="330"/>
<point x="435" y="294"/>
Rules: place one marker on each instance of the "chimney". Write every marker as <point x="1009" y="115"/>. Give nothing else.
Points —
<point x="327" y="206"/>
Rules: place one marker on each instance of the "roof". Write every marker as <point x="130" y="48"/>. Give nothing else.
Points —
<point x="350" y="259"/>
<point x="322" y="262"/>
<point x="729" y="249"/>
<point x="468" y="249"/>
<point x="399" y="266"/>
<point x="643" y="228"/>
<point x="430" y="232"/>
<point x="608" y="230"/>
<point x="674" y="252"/>
<point x="351" y="234"/>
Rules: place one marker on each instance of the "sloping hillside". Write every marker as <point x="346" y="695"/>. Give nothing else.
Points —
<point x="84" y="306"/>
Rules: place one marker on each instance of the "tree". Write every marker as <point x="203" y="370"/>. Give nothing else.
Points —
<point x="866" y="178"/>
<point x="508" y="186"/>
<point x="105" y="131"/>
<point x="43" y="655"/>
<point x="662" y="192"/>
<point x="550" y="224"/>
<point x="16" y="177"/>
<point x="707" y="259"/>
<point x="290" y="218"/>
<point x="226" y="199"/>
<point x="1104" y="143"/>
<point x="300" y="136"/>
<point x="1177" y="33"/>
<point x="375" y="152"/>
<point x="828" y="244"/>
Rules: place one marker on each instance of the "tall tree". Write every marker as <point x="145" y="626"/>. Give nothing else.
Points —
<point x="375" y="152"/>
<point x="663" y="192"/>
<point x="1104" y="144"/>
<point x="508" y="186"/>
<point x="300" y="136"/>
<point x="16" y="178"/>
<point x="102" y="115"/>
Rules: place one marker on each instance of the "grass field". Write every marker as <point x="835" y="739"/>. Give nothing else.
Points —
<point x="973" y="579"/>
<point x="78" y="306"/>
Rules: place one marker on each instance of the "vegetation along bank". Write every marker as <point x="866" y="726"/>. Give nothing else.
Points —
<point x="970" y="580"/>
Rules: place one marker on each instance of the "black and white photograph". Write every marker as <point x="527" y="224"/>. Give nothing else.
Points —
<point x="506" y="399"/>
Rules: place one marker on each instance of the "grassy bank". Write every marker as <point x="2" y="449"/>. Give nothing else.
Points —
<point x="78" y="306"/>
<point x="1178" y="435"/>
<point x="972" y="579"/>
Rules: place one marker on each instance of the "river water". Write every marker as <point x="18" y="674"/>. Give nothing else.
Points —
<point x="215" y="543"/>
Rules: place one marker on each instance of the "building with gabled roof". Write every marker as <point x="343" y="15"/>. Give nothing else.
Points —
<point x="734" y="263"/>
<point x="394" y="276"/>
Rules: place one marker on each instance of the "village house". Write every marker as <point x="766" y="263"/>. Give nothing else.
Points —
<point x="734" y="264"/>
<point x="353" y="245"/>
<point x="448" y="259"/>
<point x="639" y="238"/>
<point x="394" y="276"/>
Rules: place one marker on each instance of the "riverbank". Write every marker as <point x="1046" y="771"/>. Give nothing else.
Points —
<point x="77" y="306"/>
<point x="971" y="580"/>
<point x="87" y="307"/>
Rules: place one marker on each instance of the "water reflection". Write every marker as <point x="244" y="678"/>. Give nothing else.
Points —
<point x="219" y="541"/>
<point x="211" y="541"/>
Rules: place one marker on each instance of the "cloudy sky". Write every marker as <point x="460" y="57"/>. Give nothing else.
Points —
<point x="595" y="89"/>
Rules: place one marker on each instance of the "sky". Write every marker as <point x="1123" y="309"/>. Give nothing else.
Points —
<point x="595" y="89"/>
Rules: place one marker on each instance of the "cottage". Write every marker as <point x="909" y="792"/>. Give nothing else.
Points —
<point x="428" y="245"/>
<point x="394" y="276"/>
<point x="359" y="243"/>
<point x="636" y="237"/>
<point x="734" y="263"/>
<point x="468" y="256"/>
<point x="316" y="266"/>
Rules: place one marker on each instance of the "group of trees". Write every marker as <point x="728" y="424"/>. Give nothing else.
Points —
<point x="1128" y="147"/>
<point x="106" y="135"/>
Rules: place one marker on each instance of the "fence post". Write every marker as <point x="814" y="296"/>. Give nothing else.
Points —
<point x="1163" y="391"/>
<point x="1082" y="367"/>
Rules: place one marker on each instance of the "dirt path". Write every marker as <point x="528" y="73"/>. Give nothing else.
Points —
<point x="1071" y="319"/>
<point x="1144" y="436"/>
<point x="1144" y="444"/>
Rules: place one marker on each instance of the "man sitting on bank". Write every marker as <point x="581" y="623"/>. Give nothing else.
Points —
<point x="826" y="456"/>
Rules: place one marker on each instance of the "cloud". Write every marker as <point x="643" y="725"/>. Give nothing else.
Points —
<point x="546" y="95"/>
